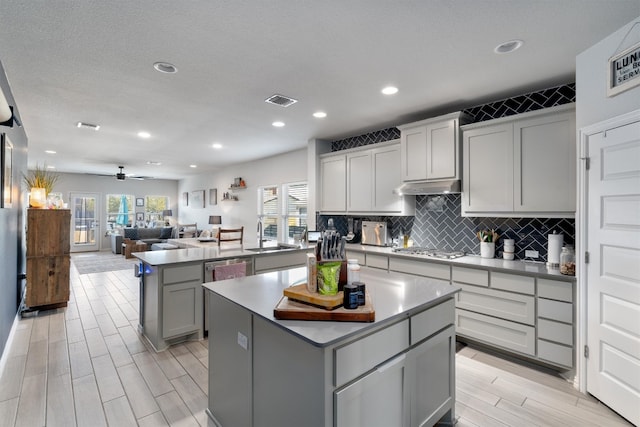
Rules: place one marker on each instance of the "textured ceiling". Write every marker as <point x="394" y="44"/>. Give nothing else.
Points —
<point x="91" y="61"/>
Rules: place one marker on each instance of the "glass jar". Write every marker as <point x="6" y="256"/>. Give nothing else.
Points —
<point x="568" y="261"/>
<point x="353" y="271"/>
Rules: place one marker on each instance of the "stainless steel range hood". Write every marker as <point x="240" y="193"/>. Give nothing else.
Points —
<point x="423" y="187"/>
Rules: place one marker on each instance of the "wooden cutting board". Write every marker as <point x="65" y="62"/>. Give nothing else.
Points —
<point x="300" y="293"/>
<point x="288" y="309"/>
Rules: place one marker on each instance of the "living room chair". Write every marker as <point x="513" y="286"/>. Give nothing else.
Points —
<point x="230" y="235"/>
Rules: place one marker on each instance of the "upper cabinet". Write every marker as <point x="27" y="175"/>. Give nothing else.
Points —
<point x="430" y="149"/>
<point x="362" y="181"/>
<point x="522" y="165"/>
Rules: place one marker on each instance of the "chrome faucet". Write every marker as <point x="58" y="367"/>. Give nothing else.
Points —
<point x="260" y="233"/>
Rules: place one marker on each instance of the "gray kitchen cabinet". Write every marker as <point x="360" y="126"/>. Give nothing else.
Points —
<point x="172" y="306"/>
<point x="333" y="180"/>
<point x="511" y="164"/>
<point x="366" y="178"/>
<point x="359" y="185"/>
<point x="510" y="336"/>
<point x="420" y="268"/>
<point x="556" y="322"/>
<point x="279" y="261"/>
<point x="430" y="149"/>
<point x="378" y="261"/>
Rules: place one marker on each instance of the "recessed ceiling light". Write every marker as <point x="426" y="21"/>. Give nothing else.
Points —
<point x="49" y="151"/>
<point x="88" y="126"/>
<point x="390" y="90"/>
<point x="193" y="166"/>
<point x="320" y="114"/>
<point x="143" y="134"/>
<point x="50" y="167"/>
<point x="165" y="67"/>
<point x="154" y="163"/>
<point x="508" y="47"/>
<point x="278" y="124"/>
<point x="217" y="146"/>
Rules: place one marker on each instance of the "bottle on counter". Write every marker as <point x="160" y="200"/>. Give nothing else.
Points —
<point x="568" y="261"/>
<point x="353" y="271"/>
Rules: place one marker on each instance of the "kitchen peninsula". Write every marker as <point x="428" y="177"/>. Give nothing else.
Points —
<point x="398" y="370"/>
<point x="172" y="305"/>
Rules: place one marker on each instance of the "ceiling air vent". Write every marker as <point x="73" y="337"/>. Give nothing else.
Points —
<point x="281" y="100"/>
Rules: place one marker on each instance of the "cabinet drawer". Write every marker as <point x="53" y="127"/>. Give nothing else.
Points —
<point x="420" y="268"/>
<point x="183" y="273"/>
<point x="470" y="275"/>
<point x="554" y="289"/>
<point x="364" y="354"/>
<point x="513" y="283"/>
<point x="553" y="331"/>
<point x="378" y="261"/>
<point x="497" y="332"/>
<point x="505" y="305"/>
<point x="280" y="261"/>
<point x="357" y="255"/>
<point x="555" y="353"/>
<point x="432" y="320"/>
<point x="555" y="310"/>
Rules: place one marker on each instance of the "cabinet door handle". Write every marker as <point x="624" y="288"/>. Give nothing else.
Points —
<point x="391" y="363"/>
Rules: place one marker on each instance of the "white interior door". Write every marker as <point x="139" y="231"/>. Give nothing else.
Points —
<point x="85" y="223"/>
<point x="613" y="271"/>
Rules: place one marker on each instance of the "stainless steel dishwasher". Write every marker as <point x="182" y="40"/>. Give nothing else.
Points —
<point x="222" y="270"/>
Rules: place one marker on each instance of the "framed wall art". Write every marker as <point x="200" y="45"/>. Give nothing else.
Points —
<point x="140" y="201"/>
<point x="139" y="216"/>
<point x="185" y="198"/>
<point x="197" y="199"/>
<point x="6" y="174"/>
<point x="213" y="196"/>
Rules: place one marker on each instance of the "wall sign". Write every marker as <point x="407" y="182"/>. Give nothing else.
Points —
<point x="624" y="71"/>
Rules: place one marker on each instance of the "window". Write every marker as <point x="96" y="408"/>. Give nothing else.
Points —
<point x="153" y="207"/>
<point x="120" y="210"/>
<point x="268" y="211"/>
<point x="295" y="209"/>
<point x="282" y="218"/>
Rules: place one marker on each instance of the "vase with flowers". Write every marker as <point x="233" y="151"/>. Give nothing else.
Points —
<point x="40" y="181"/>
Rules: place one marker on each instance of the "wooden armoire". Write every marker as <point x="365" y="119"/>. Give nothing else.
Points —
<point x="48" y="261"/>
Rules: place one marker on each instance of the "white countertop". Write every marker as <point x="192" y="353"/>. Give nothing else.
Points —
<point x="205" y="251"/>
<point x="497" y="264"/>
<point x="394" y="295"/>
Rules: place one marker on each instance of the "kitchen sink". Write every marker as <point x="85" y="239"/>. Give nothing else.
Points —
<point x="279" y="247"/>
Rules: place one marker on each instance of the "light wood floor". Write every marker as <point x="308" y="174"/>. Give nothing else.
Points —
<point x="85" y="365"/>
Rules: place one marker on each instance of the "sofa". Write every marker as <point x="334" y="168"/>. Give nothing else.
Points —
<point x="147" y="235"/>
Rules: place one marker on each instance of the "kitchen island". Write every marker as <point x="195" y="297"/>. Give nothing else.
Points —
<point x="396" y="371"/>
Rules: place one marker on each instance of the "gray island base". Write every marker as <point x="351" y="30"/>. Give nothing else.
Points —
<point x="396" y="371"/>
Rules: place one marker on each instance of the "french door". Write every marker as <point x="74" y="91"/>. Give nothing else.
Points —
<point x="85" y="221"/>
<point x="613" y="270"/>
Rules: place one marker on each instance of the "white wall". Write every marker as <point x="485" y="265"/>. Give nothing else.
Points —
<point x="276" y="170"/>
<point x="103" y="185"/>
<point x="592" y="103"/>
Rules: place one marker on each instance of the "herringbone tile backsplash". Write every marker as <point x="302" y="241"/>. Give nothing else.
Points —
<point x="445" y="228"/>
<point x="438" y="222"/>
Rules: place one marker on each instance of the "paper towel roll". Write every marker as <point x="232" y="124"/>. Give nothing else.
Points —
<point x="554" y="248"/>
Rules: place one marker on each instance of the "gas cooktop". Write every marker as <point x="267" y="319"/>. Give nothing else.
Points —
<point x="430" y="252"/>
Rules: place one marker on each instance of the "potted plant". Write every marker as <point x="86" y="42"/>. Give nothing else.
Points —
<point x="40" y="181"/>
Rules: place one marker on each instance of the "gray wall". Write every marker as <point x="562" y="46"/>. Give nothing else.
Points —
<point x="103" y="185"/>
<point x="12" y="248"/>
<point x="593" y="105"/>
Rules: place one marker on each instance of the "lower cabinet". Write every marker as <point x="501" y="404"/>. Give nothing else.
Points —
<point x="171" y="304"/>
<point x="523" y="314"/>
<point x="378" y="399"/>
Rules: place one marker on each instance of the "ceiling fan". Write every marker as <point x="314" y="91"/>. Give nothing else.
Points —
<point x="121" y="176"/>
